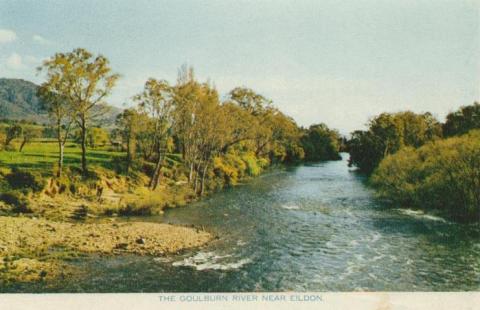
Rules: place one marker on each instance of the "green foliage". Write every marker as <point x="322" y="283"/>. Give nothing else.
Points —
<point x="463" y="120"/>
<point x="253" y="168"/>
<point x="268" y="131"/>
<point x="442" y="175"/>
<point x="230" y="168"/>
<point x="27" y="180"/>
<point x="96" y="137"/>
<point x="12" y="132"/>
<point x="388" y="133"/>
<point x="285" y="145"/>
<point x="29" y="133"/>
<point x="250" y="101"/>
<point x="41" y="156"/>
<point x="321" y="143"/>
<point x="79" y="81"/>
<point x="365" y="150"/>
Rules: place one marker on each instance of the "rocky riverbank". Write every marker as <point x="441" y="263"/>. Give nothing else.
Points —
<point x="33" y="249"/>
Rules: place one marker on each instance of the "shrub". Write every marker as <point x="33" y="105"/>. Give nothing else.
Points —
<point x="253" y="167"/>
<point x="135" y="210"/>
<point x="17" y="200"/>
<point x="226" y="171"/>
<point x="387" y="134"/>
<point x="442" y="175"/>
<point x="232" y="167"/>
<point x="80" y="213"/>
<point x="319" y="143"/>
<point x="25" y="180"/>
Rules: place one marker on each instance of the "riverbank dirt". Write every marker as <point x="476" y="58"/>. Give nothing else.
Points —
<point x="33" y="249"/>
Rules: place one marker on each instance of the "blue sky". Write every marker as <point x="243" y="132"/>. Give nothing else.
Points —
<point x="337" y="62"/>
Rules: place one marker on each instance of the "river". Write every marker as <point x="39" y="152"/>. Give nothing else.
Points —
<point x="313" y="227"/>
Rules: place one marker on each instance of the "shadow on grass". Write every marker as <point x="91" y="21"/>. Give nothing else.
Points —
<point x="33" y="161"/>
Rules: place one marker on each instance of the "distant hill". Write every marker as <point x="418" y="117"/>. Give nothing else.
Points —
<point x="19" y="101"/>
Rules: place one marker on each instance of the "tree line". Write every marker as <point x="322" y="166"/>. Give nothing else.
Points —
<point x="416" y="161"/>
<point x="215" y="138"/>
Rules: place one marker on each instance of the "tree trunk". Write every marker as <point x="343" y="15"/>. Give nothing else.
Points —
<point x="61" y="147"/>
<point x="190" y="175"/>
<point x="156" y="174"/>
<point x="24" y="141"/>
<point x="84" y="145"/>
<point x="202" y="184"/>
<point x="129" y="156"/>
<point x="195" y="181"/>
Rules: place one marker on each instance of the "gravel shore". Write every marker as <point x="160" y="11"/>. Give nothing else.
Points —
<point x="34" y="249"/>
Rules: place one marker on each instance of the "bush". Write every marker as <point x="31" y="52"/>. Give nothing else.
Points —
<point x="253" y="167"/>
<point x="232" y="167"/>
<point x="135" y="210"/>
<point x="319" y="143"/>
<point x="442" y="175"/>
<point x="25" y="180"/>
<point x="387" y="134"/>
<point x="17" y="200"/>
<point x="80" y="213"/>
<point x="229" y="167"/>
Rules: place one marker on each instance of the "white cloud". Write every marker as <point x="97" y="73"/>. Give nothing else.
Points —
<point x="40" y="40"/>
<point x="15" y="62"/>
<point x="7" y="36"/>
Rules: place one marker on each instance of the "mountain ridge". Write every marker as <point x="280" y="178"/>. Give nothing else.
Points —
<point x="19" y="101"/>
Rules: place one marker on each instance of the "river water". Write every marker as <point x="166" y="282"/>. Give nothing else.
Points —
<point x="314" y="227"/>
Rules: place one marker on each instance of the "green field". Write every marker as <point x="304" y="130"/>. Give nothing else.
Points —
<point x="42" y="156"/>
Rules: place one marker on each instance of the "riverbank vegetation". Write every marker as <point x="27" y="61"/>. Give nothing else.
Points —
<point x="175" y="143"/>
<point x="443" y="175"/>
<point x="414" y="161"/>
<point x="175" y="139"/>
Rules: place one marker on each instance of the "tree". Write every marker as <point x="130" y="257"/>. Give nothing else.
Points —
<point x="285" y="142"/>
<point x="28" y="134"/>
<point x="201" y="126"/>
<point x="463" y="120"/>
<point x="13" y="131"/>
<point x="262" y="113"/>
<point x="442" y="175"/>
<point x="82" y="81"/>
<point x="241" y="125"/>
<point x="249" y="100"/>
<point x="387" y="134"/>
<point x="365" y="151"/>
<point x="60" y="113"/>
<point x="129" y="124"/>
<point x="210" y="125"/>
<point x="321" y="143"/>
<point x="185" y="99"/>
<point x="97" y="136"/>
<point x="156" y="102"/>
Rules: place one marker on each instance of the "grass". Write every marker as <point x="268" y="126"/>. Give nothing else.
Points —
<point x="57" y="227"/>
<point x="122" y="195"/>
<point x="42" y="156"/>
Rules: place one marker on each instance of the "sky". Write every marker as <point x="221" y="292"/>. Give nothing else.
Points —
<point x="336" y="62"/>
